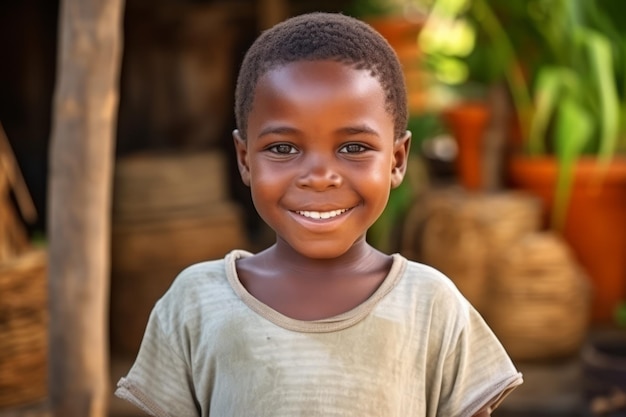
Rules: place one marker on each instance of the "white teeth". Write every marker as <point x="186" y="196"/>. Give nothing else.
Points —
<point x="321" y="214"/>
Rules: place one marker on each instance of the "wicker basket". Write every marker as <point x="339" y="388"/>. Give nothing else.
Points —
<point x="539" y="299"/>
<point x="23" y="329"/>
<point x="169" y="211"/>
<point x="460" y="234"/>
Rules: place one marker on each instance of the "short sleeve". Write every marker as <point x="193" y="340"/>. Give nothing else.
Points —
<point x="477" y="371"/>
<point x="159" y="381"/>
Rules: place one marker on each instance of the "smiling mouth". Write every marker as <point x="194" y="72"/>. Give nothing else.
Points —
<point x="321" y="214"/>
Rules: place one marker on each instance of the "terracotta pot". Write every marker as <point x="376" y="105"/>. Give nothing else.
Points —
<point x="467" y="123"/>
<point x="595" y="223"/>
<point x="402" y="33"/>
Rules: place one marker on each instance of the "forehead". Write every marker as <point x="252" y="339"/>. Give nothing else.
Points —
<point x="311" y="80"/>
<point x="319" y="96"/>
<point x="319" y="73"/>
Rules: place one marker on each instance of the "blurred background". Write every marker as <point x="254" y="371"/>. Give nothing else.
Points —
<point x="516" y="187"/>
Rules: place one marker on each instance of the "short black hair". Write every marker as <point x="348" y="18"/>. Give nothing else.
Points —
<point x="323" y="36"/>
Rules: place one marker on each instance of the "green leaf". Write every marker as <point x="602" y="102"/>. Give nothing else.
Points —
<point x="450" y="70"/>
<point x="548" y="85"/>
<point x="600" y="58"/>
<point x="573" y="130"/>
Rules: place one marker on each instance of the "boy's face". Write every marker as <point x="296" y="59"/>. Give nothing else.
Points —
<point x="320" y="156"/>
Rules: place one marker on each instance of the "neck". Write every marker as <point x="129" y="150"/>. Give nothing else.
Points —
<point x="361" y="258"/>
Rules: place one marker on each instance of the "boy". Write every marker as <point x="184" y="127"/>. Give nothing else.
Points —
<point x="320" y="323"/>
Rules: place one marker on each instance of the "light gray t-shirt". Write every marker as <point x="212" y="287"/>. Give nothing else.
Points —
<point x="415" y="348"/>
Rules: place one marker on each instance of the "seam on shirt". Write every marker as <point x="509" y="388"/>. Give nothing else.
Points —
<point x="502" y="389"/>
<point x="493" y="404"/>
<point x="128" y="391"/>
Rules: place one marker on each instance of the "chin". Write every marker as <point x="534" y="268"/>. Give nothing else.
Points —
<point x="321" y="250"/>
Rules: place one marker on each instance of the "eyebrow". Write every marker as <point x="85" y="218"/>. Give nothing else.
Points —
<point x="358" y="129"/>
<point x="277" y="130"/>
<point x="348" y="130"/>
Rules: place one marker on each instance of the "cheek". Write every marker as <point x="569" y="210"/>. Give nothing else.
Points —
<point x="377" y="183"/>
<point x="373" y="184"/>
<point x="264" y="177"/>
<point x="266" y="187"/>
<point x="377" y="173"/>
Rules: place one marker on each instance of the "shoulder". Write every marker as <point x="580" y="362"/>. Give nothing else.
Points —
<point x="431" y="286"/>
<point x="431" y="301"/>
<point x="204" y="276"/>
<point x="196" y="289"/>
<point x="462" y="345"/>
<point x="194" y="278"/>
<point x="427" y="275"/>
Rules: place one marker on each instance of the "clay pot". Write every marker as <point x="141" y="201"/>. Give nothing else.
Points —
<point x="402" y="33"/>
<point x="467" y="123"/>
<point x="595" y="223"/>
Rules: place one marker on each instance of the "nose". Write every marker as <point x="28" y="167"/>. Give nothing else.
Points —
<point x="319" y="173"/>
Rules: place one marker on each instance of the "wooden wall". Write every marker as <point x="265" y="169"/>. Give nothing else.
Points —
<point x="177" y="82"/>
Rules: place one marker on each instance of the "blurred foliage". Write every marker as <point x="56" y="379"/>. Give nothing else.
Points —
<point x="563" y="61"/>
<point x="368" y="8"/>
<point x="382" y="8"/>
<point x="620" y="315"/>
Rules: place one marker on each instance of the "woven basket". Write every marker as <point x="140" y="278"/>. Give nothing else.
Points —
<point x="539" y="299"/>
<point x="169" y="211"/>
<point x="147" y="256"/>
<point x="460" y="233"/>
<point x="153" y="186"/>
<point x="23" y="329"/>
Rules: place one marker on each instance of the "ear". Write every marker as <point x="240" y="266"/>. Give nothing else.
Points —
<point x="401" y="149"/>
<point x="241" y="149"/>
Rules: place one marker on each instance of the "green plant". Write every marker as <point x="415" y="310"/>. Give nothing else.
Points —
<point x="564" y="63"/>
<point x="377" y="8"/>
<point x="620" y="315"/>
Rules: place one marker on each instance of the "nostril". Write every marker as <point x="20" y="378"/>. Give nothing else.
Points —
<point x="320" y="179"/>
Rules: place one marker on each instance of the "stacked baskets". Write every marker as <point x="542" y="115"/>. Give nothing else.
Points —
<point x="524" y="281"/>
<point x="23" y="329"/>
<point x="169" y="211"/>
<point x="460" y="233"/>
<point x="23" y="289"/>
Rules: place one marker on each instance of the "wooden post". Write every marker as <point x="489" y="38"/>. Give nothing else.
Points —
<point x="80" y="178"/>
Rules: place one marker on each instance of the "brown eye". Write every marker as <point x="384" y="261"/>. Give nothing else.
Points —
<point x="283" y="148"/>
<point x="353" y="148"/>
